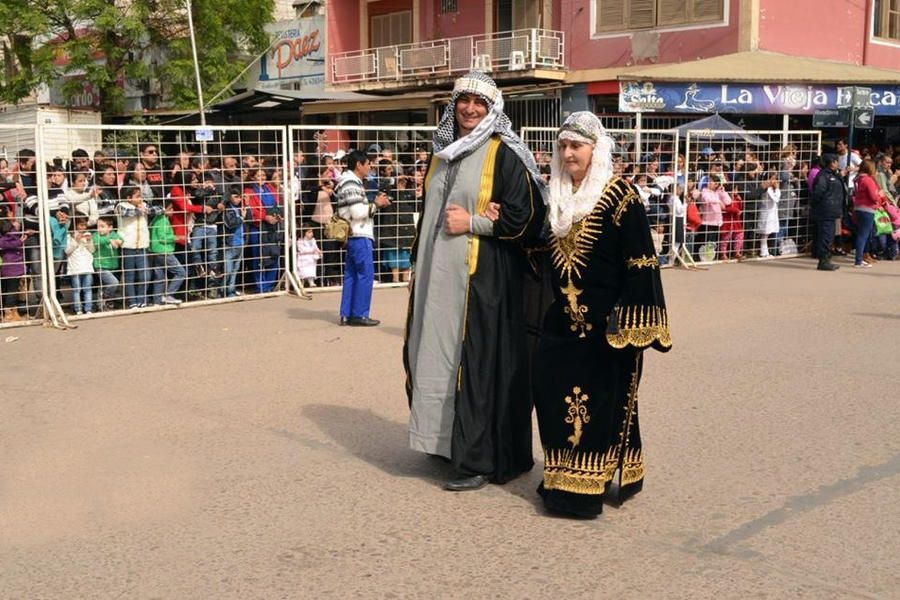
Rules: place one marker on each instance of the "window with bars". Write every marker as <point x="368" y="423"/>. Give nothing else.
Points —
<point x="625" y="15"/>
<point x="887" y="19"/>
<point x="449" y="6"/>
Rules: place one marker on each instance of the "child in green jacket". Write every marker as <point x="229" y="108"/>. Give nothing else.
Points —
<point x="163" y="260"/>
<point x="107" y="242"/>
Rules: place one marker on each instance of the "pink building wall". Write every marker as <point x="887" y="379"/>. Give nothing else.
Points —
<point x="468" y="21"/>
<point x="342" y="25"/>
<point x="616" y="49"/>
<point x="839" y="31"/>
<point x="809" y="28"/>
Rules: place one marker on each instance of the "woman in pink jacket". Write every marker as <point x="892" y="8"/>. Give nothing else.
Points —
<point x="866" y="200"/>
<point x="713" y="200"/>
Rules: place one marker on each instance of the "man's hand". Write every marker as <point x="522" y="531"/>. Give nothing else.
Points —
<point x="381" y="200"/>
<point x="456" y="220"/>
<point x="207" y="209"/>
<point x="492" y="212"/>
<point x="118" y="243"/>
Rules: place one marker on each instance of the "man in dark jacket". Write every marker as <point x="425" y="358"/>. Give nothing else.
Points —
<point x="826" y="204"/>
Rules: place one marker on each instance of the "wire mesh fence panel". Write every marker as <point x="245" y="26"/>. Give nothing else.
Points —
<point x="649" y="159"/>
<point x="748" y="193"/>
<point x="397" y="158"/>
<point x="150" y="216"/>
<point x="22" y="231"/>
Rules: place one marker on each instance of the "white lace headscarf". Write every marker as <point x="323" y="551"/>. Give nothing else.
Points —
<point x="450" y="148"/>
<point x="567" y="207"/>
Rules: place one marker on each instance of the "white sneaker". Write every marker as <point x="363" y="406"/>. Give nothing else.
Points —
<point x="764" y="254"/>
<point x="863" y="265"/>
<point x="171" y="300"/>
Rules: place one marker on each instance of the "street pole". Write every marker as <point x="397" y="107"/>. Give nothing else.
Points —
<point x="850" y="135"/>
<point x="196" y="64"/>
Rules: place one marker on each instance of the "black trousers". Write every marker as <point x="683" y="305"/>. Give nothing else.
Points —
<point x="824" y="238"/>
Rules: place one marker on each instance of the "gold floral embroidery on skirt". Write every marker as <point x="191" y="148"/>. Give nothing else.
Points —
<point x="577" y="416"/>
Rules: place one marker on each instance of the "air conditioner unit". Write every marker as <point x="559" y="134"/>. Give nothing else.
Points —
<point x="483" y="62"/>
<point x="516" y="60"/>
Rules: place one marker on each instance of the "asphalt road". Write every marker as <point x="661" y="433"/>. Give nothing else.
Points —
<point x="257" y="450"/>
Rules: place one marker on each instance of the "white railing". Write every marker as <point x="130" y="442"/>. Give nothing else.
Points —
<point x="508" y="51"/>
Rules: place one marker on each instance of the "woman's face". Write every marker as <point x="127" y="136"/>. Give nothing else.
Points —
<point x="260" y="177"/>
<point x="576" y="158"/>
<point x="139" y="174"/>
<point x="109" y="177"/>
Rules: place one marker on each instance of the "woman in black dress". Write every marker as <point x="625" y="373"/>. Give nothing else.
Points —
<point x="608" y="307"/>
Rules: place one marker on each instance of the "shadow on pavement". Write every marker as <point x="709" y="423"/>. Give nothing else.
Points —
<point x="305" y="314"/>
<point x="878" y="315"/>
<point x="378" y="441"/>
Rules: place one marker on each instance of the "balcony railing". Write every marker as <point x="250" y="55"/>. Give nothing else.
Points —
<point x="505" y="52"/>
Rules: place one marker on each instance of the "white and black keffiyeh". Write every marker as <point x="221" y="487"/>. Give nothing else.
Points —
<point x="567" y="207"/>
<point x="448" y="147"/>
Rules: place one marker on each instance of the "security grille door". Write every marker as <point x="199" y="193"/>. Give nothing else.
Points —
<point x="391" y="29"/>
<point x="526" y="14"/>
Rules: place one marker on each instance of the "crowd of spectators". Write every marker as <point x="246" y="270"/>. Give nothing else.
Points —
<point x="132" y="228"/>
<point x="743" y="201"/>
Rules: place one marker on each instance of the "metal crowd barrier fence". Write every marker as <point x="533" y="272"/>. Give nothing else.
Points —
<point x="143" y="218"/>
<point x="24" y="235"/>
<point x="124" y="219"/>
<point x="750" y="192"/>
<point x="399" y="158"/>
<point x="649" y="158"/>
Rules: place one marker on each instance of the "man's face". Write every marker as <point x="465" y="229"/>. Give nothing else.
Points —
<point x="298" y="158"/>
<point x="150" y="156"/>
<point x="28" y="165"/>
<point x="82" y="163"/>
<point x="841" y="147"/>
<point x="230" y="164"/>
<point x="57" y="178"/>
<point x="470" y="110"/>
<point x="362" y="169"/>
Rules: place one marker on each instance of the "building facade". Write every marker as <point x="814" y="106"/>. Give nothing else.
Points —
<point x="598" y="54"/>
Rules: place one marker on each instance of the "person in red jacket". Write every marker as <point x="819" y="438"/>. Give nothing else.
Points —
<point x="184" y="209"/>
<point x="732" y="231"/>
<point x="866" y="200"/>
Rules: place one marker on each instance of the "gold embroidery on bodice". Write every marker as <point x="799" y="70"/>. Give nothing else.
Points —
<point x="572" y="252"/>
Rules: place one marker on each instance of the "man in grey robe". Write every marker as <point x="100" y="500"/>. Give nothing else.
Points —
<point x="465" y="349"/>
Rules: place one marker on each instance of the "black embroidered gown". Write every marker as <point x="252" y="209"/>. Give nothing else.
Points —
<point x="608" y="307"/>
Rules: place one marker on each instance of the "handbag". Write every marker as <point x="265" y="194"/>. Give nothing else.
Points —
<point x="883" y="223"/>
<point x="338" y="229"/>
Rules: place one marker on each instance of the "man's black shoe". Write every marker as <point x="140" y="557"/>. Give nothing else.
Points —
<point x="363" y="322"/>
<point x="466" y="483"/>
<point x="345" y="321"/>
<point x="827" y="266"/>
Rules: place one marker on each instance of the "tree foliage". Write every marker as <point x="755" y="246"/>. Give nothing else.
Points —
<point x="105" y="42"/>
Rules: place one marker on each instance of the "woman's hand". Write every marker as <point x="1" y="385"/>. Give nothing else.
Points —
<point x="492" y="212"/>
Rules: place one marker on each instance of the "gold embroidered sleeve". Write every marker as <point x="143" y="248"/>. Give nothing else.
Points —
<point x="642" y="262"/>
<point x="638" y="326"/>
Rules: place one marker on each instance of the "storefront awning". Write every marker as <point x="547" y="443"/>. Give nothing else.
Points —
<point x="747" y="67"/>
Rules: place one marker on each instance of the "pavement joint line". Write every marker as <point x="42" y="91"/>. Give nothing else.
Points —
<point x="802" y="503"/>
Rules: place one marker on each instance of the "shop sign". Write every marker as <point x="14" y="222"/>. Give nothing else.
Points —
<point x="752" y="98"/>
<point x="296" y="57"/>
